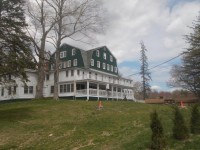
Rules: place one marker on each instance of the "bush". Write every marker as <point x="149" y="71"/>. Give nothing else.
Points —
<point x="157" y="138"/>
<point x="180" y="130"/>
<point x="195" y="120"/>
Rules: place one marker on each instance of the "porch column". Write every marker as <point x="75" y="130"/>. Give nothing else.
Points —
<point x="98" y="91"/>
<point x="122" y="93"/>
<point x="112" y="92"/>
<point x="117" y="92"/>
<point x="74" y="90"/>
<point x="88" y="86"/>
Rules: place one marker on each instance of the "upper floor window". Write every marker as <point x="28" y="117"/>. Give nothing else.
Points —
<point x="75" y="62"/>
<point x="92" y="62"/>
<point x="111" y="68"/>
<point x="73" y="51"/>
<point x="111" y="58"/>
<point x="72" y="73"/>
<point x="98" y="64"/>
<point x="69" y="64"/>
<point x="97" y="53"/>
<point x="104" y="55"/>
<point x="63" y="54"/>
<point x="67" y="73"/>
<point x="108" y="67"/>
<point x="115" y="69"/>
<point x="104" y="66"/>
<point x="78" y="72"/>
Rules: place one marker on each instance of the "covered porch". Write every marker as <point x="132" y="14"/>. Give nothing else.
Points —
<point x="101" y="90"/>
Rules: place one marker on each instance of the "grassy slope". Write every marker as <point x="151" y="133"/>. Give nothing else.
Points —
<point x="48" y="124"/>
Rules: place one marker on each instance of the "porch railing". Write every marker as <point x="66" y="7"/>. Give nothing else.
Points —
<point x="104" y="93"/>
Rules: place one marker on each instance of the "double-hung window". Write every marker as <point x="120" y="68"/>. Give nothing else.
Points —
<point x="92" y="62"/>
<point x="108" y="67"/>
<point x="97" y="53"/>
<point x="111" y="58"/>
<point x="104" y="55"/>
<point x="75" y="62"/>
<point x="69" y="64"/>
<point x="28" y="89"/>
<point x="63" y="54"/>
<point x="104" y="66"/>
<point x="98" y="64"/>
<point x="73" y="51"/>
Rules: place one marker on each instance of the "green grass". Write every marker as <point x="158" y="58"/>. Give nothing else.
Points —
<point x="79" y="125"/>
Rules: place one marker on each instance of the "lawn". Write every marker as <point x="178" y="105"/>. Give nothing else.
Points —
<point x="79" y="125"/>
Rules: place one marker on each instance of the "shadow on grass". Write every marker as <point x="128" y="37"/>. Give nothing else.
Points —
<point x="15" y="114"/>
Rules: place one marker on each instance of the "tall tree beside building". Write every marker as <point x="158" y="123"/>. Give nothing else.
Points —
<point x="42" y="21"/>
<point x="75" y="19"/>
<point x="15" y="53"/>
<point x="56" y="20"/>
<point x="144" y="71"/>
<point x="187" y="75"/>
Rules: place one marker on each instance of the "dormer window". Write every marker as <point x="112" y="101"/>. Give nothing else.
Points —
<point x="92" y="62"/>
<point x="115" y="69"/>
<point x="108" y="67"/>
<point x="111" y="68"/>
<point x="97" y="53"/>
<point x="75" y="62"/>
<point x="63" y="54"/>
<point x="104" y="55"/>
<point x="111" y="58"/>
<point x="98" y="64"/>
<point x="73" y="51"/>
<point x="104" y="66"/>
<point x="69" y="63"/>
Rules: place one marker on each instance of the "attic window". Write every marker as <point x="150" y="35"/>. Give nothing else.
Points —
<point x="97" y="53"/>
<point x="92" y="62"/>
<point x="104" y="55"/>
<point x="75" y="62"/>
<point x="73" y="51"/>
<point x="104" y="66"/>
<point x="111" y="58"/>
<point x="108" y="67"/>
<point x="69" y="63"/>
<point x="98" y="64"/>
<point x="63" y="54"/>
<point x="115" y="69"/>
<point x="111" y="68"/>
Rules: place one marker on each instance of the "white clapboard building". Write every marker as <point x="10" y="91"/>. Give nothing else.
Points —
<point x="91" y="74"/>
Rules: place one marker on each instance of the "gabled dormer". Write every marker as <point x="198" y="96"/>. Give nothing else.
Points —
<point x="70" y="56"/>
<point x="103" y="60"/>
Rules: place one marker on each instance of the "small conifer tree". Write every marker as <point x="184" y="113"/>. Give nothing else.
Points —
<point x="180" y="130"/>
<point x="195" y="120"/>
<point x="157" y="138"/>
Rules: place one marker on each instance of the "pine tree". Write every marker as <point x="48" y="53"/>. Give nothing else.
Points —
<point x="145" y="74"/>
<point x="195" y="120"/>
<point x="180" y="130"/>
<point x="15" y="53"/>
<point x="157" y="139"/>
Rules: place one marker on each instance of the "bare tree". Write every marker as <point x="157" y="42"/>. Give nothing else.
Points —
<point x="41" y="22"/>
<point x="74" y="18"/>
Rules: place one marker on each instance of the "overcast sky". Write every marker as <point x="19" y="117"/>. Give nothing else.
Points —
<point x="160" y="24"/>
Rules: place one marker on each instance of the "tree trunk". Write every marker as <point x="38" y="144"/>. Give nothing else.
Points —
<point x="41" y="71"/>
<point x="56" y="76"/>
<point x="40" y="81"/>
